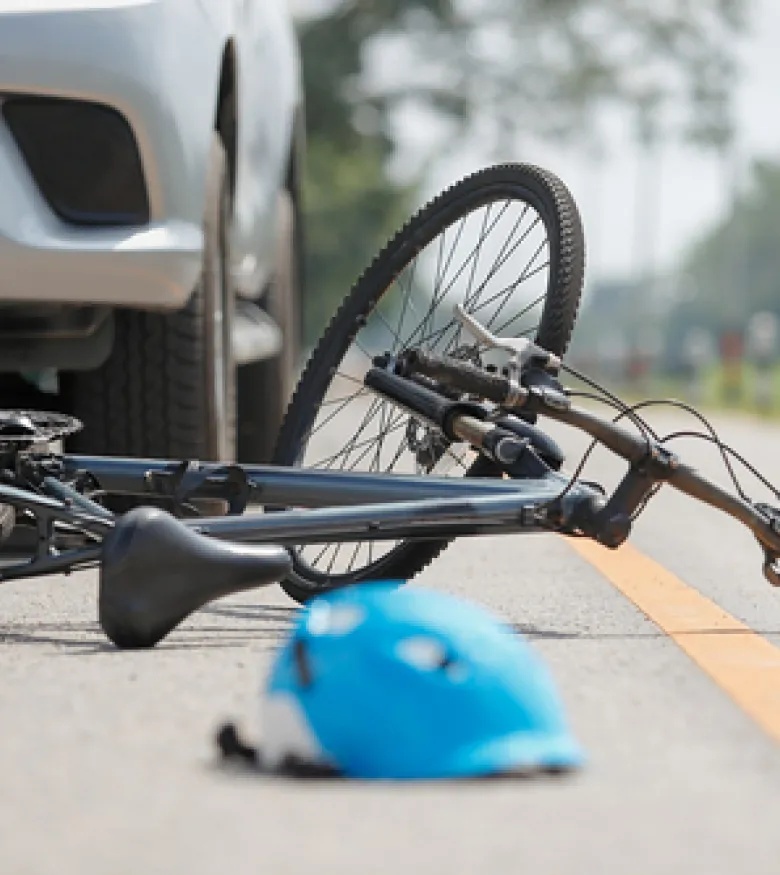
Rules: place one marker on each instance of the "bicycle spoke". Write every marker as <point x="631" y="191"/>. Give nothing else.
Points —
<point x="504" y="253"/>
<point x="505" y="325"/>
<point x="321" y="554"/>
<point x="331" y="401"/>
<point x="523" y="277"/>
<point x="456" y="459"/>
<point x="503" y="257"/>
<point x="393" y="333"/>
<point x="475" y="263"/>
<point x="334" y="557"/>
<point x="399" y="423"/>
<point x="334" y="413"/>
<point x="342" y="376"/>
<point x="507" y="291"/>
<point x="437" y="281"/>
<point x="461" y="226"/>
<point x="437" y="299"/>
<point x="376" y="401"/>
<point x="380" y="440"/>
<point x="498" y="263"/>
<point x="351" y="564"/>
<point x="403" y="446"/>
<point x="478" y="248"/>
<point x="365" y="352"/>
<point x="438" y="337"/>
<point x="345" y="452"/>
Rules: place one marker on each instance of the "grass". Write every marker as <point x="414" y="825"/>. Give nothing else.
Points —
<point x="716" y="390"/>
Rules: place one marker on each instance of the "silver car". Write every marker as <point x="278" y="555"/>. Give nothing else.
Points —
<point x="150" y="156"/>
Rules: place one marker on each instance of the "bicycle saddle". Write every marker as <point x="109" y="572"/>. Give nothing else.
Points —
<point x="155" y="571"/>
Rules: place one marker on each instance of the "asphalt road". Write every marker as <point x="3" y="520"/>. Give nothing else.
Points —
<point x="107" y="761"/>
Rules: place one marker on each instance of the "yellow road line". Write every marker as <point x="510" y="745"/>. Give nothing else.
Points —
<point x="742" y="663"/>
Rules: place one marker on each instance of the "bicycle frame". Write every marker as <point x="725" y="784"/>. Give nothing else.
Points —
<point x="280" y="486"/>
<point x="340" y="506"/>
<point x="344" y="506"/>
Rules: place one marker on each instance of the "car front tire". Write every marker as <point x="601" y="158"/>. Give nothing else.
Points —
<point x="168" y="388"/>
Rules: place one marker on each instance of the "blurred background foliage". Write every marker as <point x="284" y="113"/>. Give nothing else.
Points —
<point x="505" y="72"/>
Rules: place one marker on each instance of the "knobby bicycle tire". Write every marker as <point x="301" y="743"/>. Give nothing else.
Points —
<point x="523" y="183"/>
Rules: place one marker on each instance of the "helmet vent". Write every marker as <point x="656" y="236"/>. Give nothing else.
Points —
<point x="335" y="619"/>
<point x="302" y="663"/>
<point x="424" y="653"/>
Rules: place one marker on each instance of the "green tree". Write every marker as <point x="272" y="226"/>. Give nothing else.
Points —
<point x="733" y="271"/>
<point x="350" y="209"/>
<point x="499" y="70"/>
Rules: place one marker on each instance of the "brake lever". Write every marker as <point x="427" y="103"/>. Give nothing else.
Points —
<point x="521" y="348"/>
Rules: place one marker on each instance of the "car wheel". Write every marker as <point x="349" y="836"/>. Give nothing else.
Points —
<point x="7" y="521"/>
<point x="168" y="388"/>
<point x="265" y="387"/>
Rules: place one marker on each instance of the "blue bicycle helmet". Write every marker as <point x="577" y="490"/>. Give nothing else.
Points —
<point x="383" y="682"/>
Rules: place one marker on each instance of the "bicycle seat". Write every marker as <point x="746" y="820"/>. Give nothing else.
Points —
<point x="155" y="571"/>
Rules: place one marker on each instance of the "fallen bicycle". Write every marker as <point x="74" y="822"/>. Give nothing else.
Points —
<point x="429" y="370"/>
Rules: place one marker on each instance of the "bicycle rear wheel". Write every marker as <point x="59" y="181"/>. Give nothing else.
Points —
<point x="507" y="244"/>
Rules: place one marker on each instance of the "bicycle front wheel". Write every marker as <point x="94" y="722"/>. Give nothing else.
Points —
<point x="505" y="243"/>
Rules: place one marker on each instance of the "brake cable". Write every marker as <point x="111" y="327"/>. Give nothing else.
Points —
<point x="608" y="398"/>
<point x="676" y="435"/>
<point x="713" y="436"/>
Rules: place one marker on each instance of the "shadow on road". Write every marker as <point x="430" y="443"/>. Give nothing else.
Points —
<point x="551" y="634"/>
<point x="272" y="623"/>
<point x="253" y="612"/>
<point x="86" y="637"/>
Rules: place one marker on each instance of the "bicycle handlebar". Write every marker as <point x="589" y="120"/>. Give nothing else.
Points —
<point x="464" y="376"/>
<point x="640" y="451"/>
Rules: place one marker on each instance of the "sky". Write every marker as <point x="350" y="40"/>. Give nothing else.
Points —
<point x="693" y="188"/>
<point x="641" y="216"/>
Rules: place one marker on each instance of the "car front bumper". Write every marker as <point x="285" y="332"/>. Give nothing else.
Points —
<point x="45" y="259"/>
<point x="110" y="53"/>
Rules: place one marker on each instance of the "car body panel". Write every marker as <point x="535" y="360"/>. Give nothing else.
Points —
<point x="268" y="86"/>
<point x="158" y="63"/>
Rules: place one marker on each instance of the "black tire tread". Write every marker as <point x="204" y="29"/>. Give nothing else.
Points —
<point x="148" y="399"/>
<point x="7" y="522"/>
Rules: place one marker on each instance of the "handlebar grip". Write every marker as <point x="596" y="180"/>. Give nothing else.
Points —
<point x="422" y="401"/>
<point x="414" y="398"/>
<point x="460" y="375"/>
